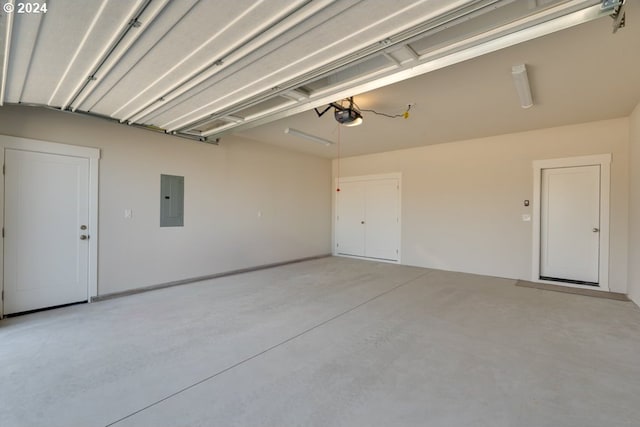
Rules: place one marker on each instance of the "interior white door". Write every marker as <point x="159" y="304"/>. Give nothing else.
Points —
<point x="367" y="222"/>
<point x="46" y="206"/>
<point x="382" y="227"/>
<point x="570" y="224"/>
<point x="350" y="221"/>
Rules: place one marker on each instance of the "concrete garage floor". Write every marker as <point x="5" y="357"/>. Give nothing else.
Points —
<point x="328" y="342"/>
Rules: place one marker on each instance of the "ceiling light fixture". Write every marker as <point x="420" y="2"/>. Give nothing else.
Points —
<point x="304" y="135"/>
<point x="348" y="116"/>
<point x="521" y="80"/>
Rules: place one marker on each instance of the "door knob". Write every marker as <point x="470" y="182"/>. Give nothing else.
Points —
<point x="361" y="222"/>
<point x="83" y="237"/>
<point x="595" y="230"/>
<point x="83" y="227"/>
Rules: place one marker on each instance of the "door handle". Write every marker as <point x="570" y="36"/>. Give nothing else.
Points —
<point x="83" y="237"/>
<point x="595" y="230"/>
<point x="361" y="222"/>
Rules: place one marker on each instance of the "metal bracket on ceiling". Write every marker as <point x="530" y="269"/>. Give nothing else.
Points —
<point x="336" y="106"/>
<point x="321" y="113"/>
<point x="610" y="4"/>
<point x="214" y="141"/>
<point x="619" y="17"/>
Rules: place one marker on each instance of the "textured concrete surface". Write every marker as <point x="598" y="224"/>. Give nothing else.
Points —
<point x="329" y="342"/>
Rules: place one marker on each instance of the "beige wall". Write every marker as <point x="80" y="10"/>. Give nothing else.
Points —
<point x="634" y="205"/>
<point x="225" y="188"/>
<point x="462" y="202"/>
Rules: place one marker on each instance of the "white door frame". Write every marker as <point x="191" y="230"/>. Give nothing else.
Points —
<point x="337" y="181"/>
<point x="602" y="160"/>
<point x="93" y="155"/>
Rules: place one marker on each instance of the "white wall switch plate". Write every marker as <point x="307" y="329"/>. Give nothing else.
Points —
<point x="526" y="217"/>
<point x="128" y="213"/>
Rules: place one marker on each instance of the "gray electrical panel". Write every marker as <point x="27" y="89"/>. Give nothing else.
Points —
<point x="171" y="201"/>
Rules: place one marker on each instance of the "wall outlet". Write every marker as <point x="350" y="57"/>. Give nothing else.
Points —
<point x="128" y="213"/>
<point x="526" y="217"/>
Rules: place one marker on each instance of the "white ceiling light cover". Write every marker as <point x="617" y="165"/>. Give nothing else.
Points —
<point x="521" y="81"/>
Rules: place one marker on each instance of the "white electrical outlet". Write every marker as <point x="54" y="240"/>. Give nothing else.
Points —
<point x="526" y="217"/>
<point x="128" y="214"/>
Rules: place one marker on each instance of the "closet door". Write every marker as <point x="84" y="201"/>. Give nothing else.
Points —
<point x="350" y="221"/>
<point x="382" y="226"/>
<point x="368" y="218"/>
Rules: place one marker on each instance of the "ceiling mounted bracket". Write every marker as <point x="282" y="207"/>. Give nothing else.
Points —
<point x="619" y="17"/>
<point x="333" y="104"/>
<point x="213" y="141"/>
<point x="610" y="4"/>
<point x="337" y="106"/>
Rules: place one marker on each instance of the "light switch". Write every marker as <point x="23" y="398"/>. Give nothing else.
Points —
<point x="128" y="213"/>
<point x="526" y="217"/>
<point x="259" y="214"/>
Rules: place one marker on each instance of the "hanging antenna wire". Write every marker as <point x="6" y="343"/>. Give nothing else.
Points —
<point x="405" y="114"/>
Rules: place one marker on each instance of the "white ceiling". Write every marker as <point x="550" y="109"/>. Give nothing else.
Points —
<point x="206" y="68"/>
<point x="581" y="74"/>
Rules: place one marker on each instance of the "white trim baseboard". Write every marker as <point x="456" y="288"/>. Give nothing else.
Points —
<point x="201" y="278"/>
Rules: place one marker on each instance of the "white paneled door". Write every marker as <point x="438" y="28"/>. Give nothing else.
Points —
<point x="46" y="230"/>
<point x="382" y="219"/>
<point x="570" y="224"/>
<point x="368" y="218"/>
<point x="350" y="222"/>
